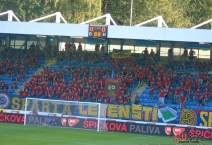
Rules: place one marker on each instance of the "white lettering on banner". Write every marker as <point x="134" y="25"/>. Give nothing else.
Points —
<point x="144" y="129"/>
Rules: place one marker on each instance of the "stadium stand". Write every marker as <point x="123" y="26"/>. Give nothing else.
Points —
<point x="16" y="66"/>
<point x="80" y="75"/>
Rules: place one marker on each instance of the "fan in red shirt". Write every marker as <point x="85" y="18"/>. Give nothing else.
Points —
<point x="10" y="73"/>
<point x="196" y="84"/>
<point x="22" y="73"/>
<point x="189" y="94"/>
<point x="40" y="91"/>
<point x="59" y="92"/>
<point x="159" y="86"/>
<point x="183" y="79"/>
<point x="70" y="96"/>
<point x="208" y="85"/>
<point x="151" y="89"/>
<point x="1" y="69"/>
<point x="120" y="100"/>
<point x="205" y="77"/>
<point x="21" y="93"/>
<point x="124" y="87"/>
<point x="26" y="93"/>
<point x="206" y="94"/>
<point x="103" y="81"/>
<point x="50" y="92"/>
<point x="198" y="94"/>
<point x="34" y="90"/>
<point x="14" y="85"/>
<point x="177" y="94"/>
<point x="63" y="96"/>
<point x="86" y="94"/>
<point x="107" y="100"/>
<point x="76" y="97"/>
<point x="95" y="96"/>
<point x="161" y="97"/>
<point x="100" y="96"/>
<point x="45" y="87"/>
<point x="168" y="82"/>
<point x="129" y="97"/>
<point x="5" y="91"/>
<point x="182" y="100"/>
<point x="140" y="76"/>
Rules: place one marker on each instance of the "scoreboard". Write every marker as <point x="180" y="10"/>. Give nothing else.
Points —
<point x="97" y="31"/>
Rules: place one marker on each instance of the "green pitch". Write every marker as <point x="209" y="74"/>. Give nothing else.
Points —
<point x="167" y="114"/>
<point x="16" y="134"/>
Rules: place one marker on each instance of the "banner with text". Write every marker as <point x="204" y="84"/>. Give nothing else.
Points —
<point x="121" y="54"/>
<point x="148" y="113"/>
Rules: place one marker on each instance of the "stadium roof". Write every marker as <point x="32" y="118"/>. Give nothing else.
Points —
<point x="118" y="32"/>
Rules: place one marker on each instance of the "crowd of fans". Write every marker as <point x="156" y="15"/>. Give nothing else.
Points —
<point x="15" y="63"/>
<point x="162" y="78"/>
<point x="87" y="83"/>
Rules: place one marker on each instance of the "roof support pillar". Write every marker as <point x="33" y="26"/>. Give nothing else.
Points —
<point x="58" y="15"/>
<point x="160" y="21"/>
<point x="107" y="19"/>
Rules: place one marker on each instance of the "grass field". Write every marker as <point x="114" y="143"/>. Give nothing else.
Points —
<point x="16" y="134"/>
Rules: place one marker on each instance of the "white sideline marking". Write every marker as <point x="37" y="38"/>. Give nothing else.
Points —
<point x="141" y="137"/>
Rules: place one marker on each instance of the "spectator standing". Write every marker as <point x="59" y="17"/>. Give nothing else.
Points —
<point x="80" y="47"/>
<point x="184" y="55"/>
<point x="182" y="101"/>
<point x="170" y="53"/>
<point x="191" y="54"/>
<point x="145" y="54"/>
<point x="136" y="98"/>
<point x="161" y="97"/>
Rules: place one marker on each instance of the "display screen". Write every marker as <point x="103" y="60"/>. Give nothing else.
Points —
<point x="97" y="31"/>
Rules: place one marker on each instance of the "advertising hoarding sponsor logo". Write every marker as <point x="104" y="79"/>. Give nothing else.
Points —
<point x="11" y="118"/>
<point x="188" y="117"/>
<point x="205" y="133"/>
<point x="178" y="130"/>
<point x="168" y="130"/>
<point x="112" y="125"/>
<point x="144" y="129"/>
<point x="63" y="121"/>
<point x="72" y="122"/>
<point x="4" y="101"/>
<point x="105" y="125"/>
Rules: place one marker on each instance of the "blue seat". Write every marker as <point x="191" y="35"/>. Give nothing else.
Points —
<point x="11" y="91"/>
<point x="140" y="99"/>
